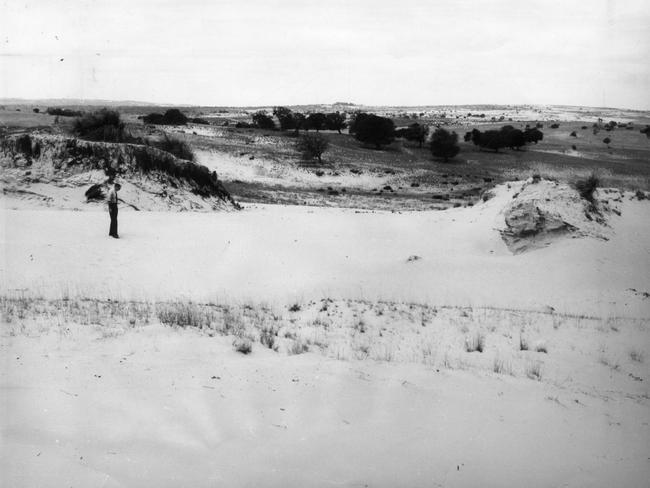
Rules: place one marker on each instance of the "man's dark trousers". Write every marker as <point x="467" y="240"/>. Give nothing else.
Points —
<point x="112" y="210"/>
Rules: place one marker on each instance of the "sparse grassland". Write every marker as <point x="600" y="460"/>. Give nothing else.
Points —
<point x="355" y="330"/>
<point x="259" y="165"/>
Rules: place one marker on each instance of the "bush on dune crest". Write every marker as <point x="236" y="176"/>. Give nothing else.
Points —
<point x="172" y="145"/>
<point x="104" y="125"/>
<point x="587" y="187"/>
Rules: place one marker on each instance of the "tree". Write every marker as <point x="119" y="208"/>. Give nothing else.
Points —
<point x="414" y="132"/>
<point x="173" y="116"/>
<point x="533" y="135"/>
<point x="285" y="117"/>
<point x="490" y="139"/>
<point x="646" y="131"/>
<point x="444" y="144"/>
<point x="513" y="138"/>
<point x="335" y="121"/>
<point x="316" y="121"/>
<point x="36" y="110"/>
<point x="300" y="122"/>
<point x="312" y="145"/>
<point x="373" y="129"/>
<point x="262" y="120"/>
<point x="607" y="140"/>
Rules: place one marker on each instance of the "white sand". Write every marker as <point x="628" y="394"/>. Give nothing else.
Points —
<point x="85" y="409"/>
<point x="286" y="253"/>
<point x="101" y="405"/>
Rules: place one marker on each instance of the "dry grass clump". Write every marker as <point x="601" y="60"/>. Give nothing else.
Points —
<point x="501" y="366"/>
<point x="523" y="344"/>
<point x="541" y="347"/>
<point x="636" y="355"/>
<point x="182" y="314"/>
<point x="475" y="342"/>
<point x="268" y="337"/>
<point x="298" y="347"/>
<point x="534" y="370"/>
<point x="243" y="345"/>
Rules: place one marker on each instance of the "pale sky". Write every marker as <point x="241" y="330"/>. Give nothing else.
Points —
<point x="287" y="52"/>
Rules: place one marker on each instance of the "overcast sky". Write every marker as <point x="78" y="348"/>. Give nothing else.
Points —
<point x="268" y="52"/>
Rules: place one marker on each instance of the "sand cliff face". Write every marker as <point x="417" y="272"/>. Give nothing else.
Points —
<point x="39" y="166"/>
<point x="544" y="211"/>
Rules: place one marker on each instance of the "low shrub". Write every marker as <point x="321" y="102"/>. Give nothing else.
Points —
<point x="587" y="187"/>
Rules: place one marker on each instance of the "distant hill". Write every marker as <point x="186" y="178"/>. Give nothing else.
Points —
<point x="77" y="102"/>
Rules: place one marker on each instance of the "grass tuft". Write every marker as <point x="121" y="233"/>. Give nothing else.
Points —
<point x="523" y="344"/>
<point x="475" y="342"/>
<point x="636" y="355"/>
<point x="534" y="370"/>
<point x="243" y="345"/>
<point x="500" y="366"/>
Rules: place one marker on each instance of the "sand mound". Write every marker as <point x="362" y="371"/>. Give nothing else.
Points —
<point x="60" y="171"/>
<point x="544" y="211"/>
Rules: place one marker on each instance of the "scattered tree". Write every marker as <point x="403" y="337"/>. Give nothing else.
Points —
<point x="335" y="121"/>
<point x="316" y="121"/>
<point x="262" y="120"/>
<point x="312" y="145"/>
<point x="533" y="135"/>
<point x="173" y="116"/>
<point x="607" y="141"/>
<point x="573" y="134"/>
<point x="36" y="110"/>
<point x="444" y="144"/>
<point x="300" y="121"/>
<point x="285" y="118"/>
<point x="513" y="138"/>
<point x="414" y="132"/>
<point x="373" y="129"/>
<point x="490" y="139"/>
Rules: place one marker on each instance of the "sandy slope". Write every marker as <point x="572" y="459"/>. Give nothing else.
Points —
<point x="291" y="253"/>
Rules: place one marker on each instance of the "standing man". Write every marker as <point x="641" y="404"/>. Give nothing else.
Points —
<point x="112" y="209"/>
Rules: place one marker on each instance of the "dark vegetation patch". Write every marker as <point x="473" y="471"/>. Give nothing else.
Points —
<point x="587" y="187"/>
<point x="173" y="116"/>
<point x="172" y="145"/>
<point x="63" y="112"/>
